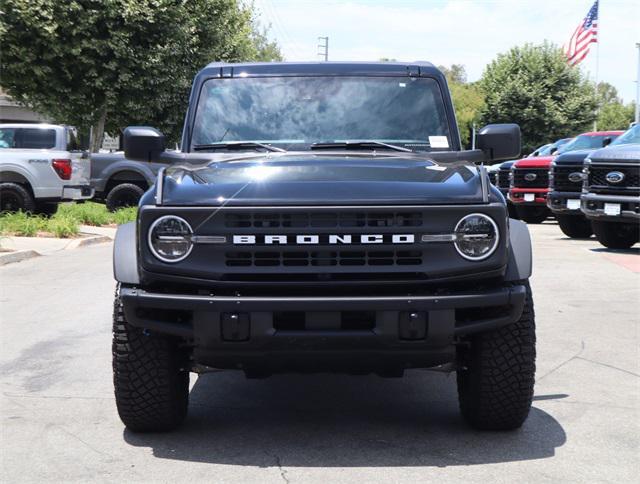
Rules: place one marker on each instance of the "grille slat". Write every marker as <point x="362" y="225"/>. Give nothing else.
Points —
<point x="323" y="220"/>
<point x="541" y="178"/>
<point x="503" y="178"/>
<point x="325" y="258"/>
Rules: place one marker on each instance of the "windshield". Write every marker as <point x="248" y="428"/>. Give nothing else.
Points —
<point x="586" y="142"/>
<point x="295" y="112"/>
<point x="628" y="137"/>
<point x="546" y="151"/>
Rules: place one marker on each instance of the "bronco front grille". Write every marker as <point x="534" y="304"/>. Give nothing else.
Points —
<point x="531" y="178"/>
<point x="323" y="258"/>
<point x="630" y="183"/>
<point x="561" y="180"/>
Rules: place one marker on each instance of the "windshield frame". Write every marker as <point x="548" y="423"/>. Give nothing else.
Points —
<point x="440" y="84"/>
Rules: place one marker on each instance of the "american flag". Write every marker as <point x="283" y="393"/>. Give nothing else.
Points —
<point x="585" y="34"/>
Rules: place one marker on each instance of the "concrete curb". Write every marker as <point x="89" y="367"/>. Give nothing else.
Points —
<point x="17" y="256"/>
<point x="96" y="239"/>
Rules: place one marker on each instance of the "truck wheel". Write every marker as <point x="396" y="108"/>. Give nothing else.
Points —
<point x="123" y="195"/>
<point x="150" y="377"/>
<point x="616" y="235"/>
<point x="495" y="386"/>
<point x="46" y="208"/>
<point x="532" y="214"/>
<point x="575" y="226"/>
<point x="15" y="198"/>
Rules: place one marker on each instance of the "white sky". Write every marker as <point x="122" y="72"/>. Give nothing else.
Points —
<point x="468" y="32"/>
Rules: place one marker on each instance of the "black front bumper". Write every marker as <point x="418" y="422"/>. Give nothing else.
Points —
<point x="593" y="206"/>
<point x="323" y="333"/>
<point x="557" y="203"/>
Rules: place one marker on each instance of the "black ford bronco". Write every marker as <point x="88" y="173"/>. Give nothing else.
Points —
<point x="322" y="217"/>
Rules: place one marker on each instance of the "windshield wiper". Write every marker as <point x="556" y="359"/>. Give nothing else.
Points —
<point x="357" y="144"/>
<point x="236" y="145"/>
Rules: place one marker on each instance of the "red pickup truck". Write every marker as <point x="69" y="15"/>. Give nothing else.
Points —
<point x="529" y="185"/>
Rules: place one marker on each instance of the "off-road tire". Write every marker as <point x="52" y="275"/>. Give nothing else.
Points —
<point x="495" y="384"/>
<point x="616" y="235"/>
<point x="575" y="226"/>
<point x="46" y="208"/>
<point x="532" y="214"/>
<point x="123" y="195"/>
<point x="150" y="377"/>
<point x="15" y="198"/>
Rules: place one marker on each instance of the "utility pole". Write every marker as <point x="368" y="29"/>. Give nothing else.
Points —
<point x="323" y="48"/>
<point x="638" y="87"/>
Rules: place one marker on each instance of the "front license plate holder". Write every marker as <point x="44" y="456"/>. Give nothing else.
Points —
<point x="612" y="209"/>
<point x="573" y="204"/>
<point x="529" y="197"/>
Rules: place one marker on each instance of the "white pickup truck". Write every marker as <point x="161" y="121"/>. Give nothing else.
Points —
<point x="40" y="166"/>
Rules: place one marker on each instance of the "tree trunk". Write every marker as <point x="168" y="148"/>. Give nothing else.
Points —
<point x="98" y="132"/>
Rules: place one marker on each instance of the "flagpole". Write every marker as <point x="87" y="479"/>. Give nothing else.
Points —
<point x="595" y="121"/>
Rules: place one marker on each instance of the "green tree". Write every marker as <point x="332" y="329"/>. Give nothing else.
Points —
<point x="534" y="86"/>
<point x="112" y="63"/>
<point x="612" y="113"/>
<point x="615" y="115"/>
<point x="468" y="100"/>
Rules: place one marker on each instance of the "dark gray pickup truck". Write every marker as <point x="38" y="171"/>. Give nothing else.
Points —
<point x="611" y="194"/>
<point x="322" y="217"/>
<point x="119" y="182"/>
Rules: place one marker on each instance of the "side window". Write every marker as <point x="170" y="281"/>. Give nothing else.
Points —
<point x="34" y="138"/>
<point x="7" y="138"/>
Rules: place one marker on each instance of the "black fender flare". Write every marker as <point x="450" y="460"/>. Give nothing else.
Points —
<point x="125" y="255"/>
<point x="520" y="263"/>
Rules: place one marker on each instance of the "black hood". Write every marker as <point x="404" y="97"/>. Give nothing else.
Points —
<point x="572" y="157"/>
<point x="617" y="154"/>
<point x="321" y="179"/>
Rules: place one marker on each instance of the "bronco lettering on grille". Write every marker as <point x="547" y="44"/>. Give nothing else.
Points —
<point x="324" y="239"/>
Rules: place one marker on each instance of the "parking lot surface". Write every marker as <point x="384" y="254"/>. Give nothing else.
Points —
<point x="59" y="421"/>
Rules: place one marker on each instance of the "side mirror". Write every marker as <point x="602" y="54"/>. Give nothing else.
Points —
<point x="142" y="143"/>
<point x="499" y="141"/>
<point x="607" y="141"/>
<point x="553" y="151"/>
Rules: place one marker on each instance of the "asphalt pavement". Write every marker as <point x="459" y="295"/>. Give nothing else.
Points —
<point x="59" y="422"/>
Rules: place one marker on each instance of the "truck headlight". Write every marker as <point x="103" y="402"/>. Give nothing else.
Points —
<point x="476" y="236"/>
<point x="170" y="238"/>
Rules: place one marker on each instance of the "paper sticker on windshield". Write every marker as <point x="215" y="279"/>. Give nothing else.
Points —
<point x="438" y="141"/>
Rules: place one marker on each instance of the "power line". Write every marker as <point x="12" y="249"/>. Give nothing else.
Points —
<point x="273" y="13"/>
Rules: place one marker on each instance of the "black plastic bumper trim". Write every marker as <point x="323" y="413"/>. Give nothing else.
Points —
<point x="440" y="307"/>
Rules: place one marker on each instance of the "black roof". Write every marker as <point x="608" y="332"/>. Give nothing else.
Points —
<point x="256" y="69"/>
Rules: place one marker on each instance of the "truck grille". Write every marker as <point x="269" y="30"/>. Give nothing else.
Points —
<point x="630" y="184"/>
<point x="541" y="179"/>
<point x="561" y="180"/>
<point x="324" y="258"/>
<point x="503" y="178"/>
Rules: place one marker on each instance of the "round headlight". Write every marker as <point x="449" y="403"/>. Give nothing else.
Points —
<point x="170" y="238"/>
<point x="477" y="236"/>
